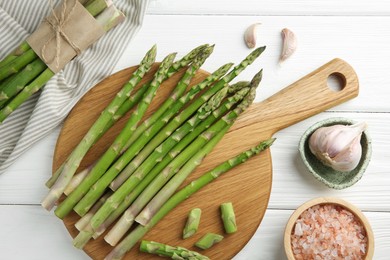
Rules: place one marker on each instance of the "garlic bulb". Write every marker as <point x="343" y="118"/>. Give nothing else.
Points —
<point x="338" y="146"/>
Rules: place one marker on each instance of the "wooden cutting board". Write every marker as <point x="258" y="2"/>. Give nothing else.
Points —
<point x="248" y="186"/>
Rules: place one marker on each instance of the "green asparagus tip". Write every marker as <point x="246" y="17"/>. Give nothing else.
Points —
<point x="256" y="53"/>
<point x="260" y="49"/>
<point x="234" y="88"/>
<point x="150" y="55"/>
<point x="257" y="78"/>
<point x="269" y="142"/>
<point x="208" y="49"/>
<point x="264" y="144"/>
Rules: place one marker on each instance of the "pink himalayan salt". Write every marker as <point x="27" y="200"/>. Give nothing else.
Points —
<point x="328" y="232"/>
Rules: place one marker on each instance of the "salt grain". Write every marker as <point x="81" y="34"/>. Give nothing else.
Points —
<point x="328" y="232"/>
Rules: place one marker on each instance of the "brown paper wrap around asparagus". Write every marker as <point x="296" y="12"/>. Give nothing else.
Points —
<point x="64" y="34"/>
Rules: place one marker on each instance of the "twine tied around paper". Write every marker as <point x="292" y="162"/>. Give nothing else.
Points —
<point x="57" y="24"/>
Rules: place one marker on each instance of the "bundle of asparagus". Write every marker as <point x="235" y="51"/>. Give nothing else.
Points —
<point x="135" y="180"/>
<point x="23" y="73"/>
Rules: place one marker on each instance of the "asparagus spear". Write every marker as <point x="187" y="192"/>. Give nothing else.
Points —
<point x="228" y="217"/>
<point x="176" y="66"/>
<point x="154" y="129"/>
<point x="30" y="72"/>
<point x="237" y="86"/>
<point x="112" y="203"/>
<point x="98" y="188"/>
<point x="126" y="244"/>
<point x="118" y="196"/>
<point x="17" y="64"/>
<point x="203" y="144"/>
<point x="77" y="179"/>
<point x="14" y="65"/>
<point x="133" y="183"/>
<point x="134" y="99"/>
<point x="73" y="161"/>
<point x="5" y="82"/>
<point x="170" y="251"/>
<point x="22" y="48"/>
<point x="192" y="108"/>
<point x="208" y="241"/>
<point x="178" y="178"/>
<point x="83" y="236"/>
<point x="203" y="52"/>
<point x="44" y="76"/>
<point x="113" y="151"/>
<point x="27" y="92"/>
<point x="192" y="223"/>
<point x="83" y="222"/>
<point x="66" y="171"/>
<point x="128" y="217"/>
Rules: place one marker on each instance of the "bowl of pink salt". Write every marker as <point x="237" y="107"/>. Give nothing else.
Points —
<point x="328" y="228"/>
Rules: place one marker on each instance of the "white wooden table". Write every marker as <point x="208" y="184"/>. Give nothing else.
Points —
<point x="354" y="30"/>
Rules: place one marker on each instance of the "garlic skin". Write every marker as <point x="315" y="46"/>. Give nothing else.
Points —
<point x="250" y="35"/>
<point x="338" y="146"/>
<point x="290" y="44"/>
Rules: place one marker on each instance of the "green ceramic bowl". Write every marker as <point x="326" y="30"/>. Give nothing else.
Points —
<point x="330" y="177"/>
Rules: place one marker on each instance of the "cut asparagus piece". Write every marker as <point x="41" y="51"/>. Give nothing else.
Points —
<point x="208" y="241"/>
<point x="127" y="219"/>
<point x="228" y="218"/>
<point x="113" y="151"/>
<point x="74" y="159"/>
<point x="195" y="105"/>
<point x="192" y="223"/>
<point x="134" y="99"/>
<point x="98" y="188"/>
<point x="128" y="243"/>
<point x="163" y="195"/>
<point x="176" y="252"/>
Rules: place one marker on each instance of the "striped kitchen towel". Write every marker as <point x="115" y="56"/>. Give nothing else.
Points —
<point x="37" y="117"/>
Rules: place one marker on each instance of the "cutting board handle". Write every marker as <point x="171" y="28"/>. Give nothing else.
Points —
<point x="304" y="98"/>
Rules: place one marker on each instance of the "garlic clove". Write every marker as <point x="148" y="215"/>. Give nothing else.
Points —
<point x="338" y="146"/>
<point x="289" y="44"/>
<point x="250" y="35"/>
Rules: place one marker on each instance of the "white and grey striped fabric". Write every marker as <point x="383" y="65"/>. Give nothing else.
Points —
<point x="44" y="111"/>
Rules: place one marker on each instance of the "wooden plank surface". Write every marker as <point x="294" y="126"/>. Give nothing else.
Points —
<point x="267" y="243"/>
<point x="270" y="7"/>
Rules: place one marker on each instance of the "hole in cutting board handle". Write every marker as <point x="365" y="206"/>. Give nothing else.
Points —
<point x="336" y="81"/>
